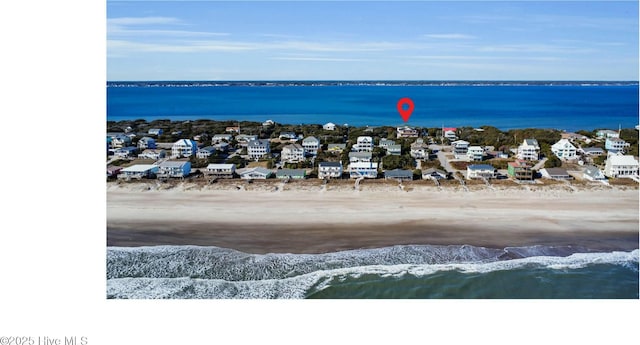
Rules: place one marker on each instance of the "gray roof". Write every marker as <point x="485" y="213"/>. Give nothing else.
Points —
<point x="258" y="170"/>
<point x="531" y="142"/>
<point x="592" y="149"/>
<point x="173" y="164"/>
<point x="259" y="142"/>
<point x="433" y="170"/>
<point x="556" y="172"/>
<point x="330" y="164"/>
<point x="290" y="172"/>
<point x="591" y="170"/>
<point x="360" y="154"/>
<point x="398" y="173"/>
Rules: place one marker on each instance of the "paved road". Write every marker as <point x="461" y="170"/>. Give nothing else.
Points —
<point x="443" y="159"/>
<point x="540" y="164"/>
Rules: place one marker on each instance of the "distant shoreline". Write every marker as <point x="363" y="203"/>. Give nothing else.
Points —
<point x="155" y="83"/>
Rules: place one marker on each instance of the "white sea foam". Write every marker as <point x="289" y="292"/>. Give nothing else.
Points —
<point x="298" y="286"/>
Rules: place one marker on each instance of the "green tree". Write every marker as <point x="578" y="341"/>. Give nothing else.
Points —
<point x="553" y="162"/>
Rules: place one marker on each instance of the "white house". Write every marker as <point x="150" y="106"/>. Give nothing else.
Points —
<point x="288" y="135"/>
<point x="155" y="131"/>
<point x="138" y="171"/>
<point x="607" y="133"/>
<point x="406" y="132"/>
<point x="126" y="152"/>
<point x="480" y="171"/>
<point x="329" y="170"/>
<point x="564" y="150"/>
<point x="385" y="143"/>
<point x="244" y="139"/>
<point x="433" y="174"/>
<point x="268" y="123"/>
<point x="220" y="170"/>
<point x="218" y="138"/>
<point x="355" y="157"/>
<point x="174" y="169"/>
<point x="255" y="174"/>
<point x="329" y="126"/>
<point x="529" y="150"/>
<point x="258" y="149"/>
<point x="449" y="133"/>
<point x="615" y="144"/>
<point x="394" y="150"/>
<point x="460" y="148"/>
<point x="555" y="173"/>
<point x="292" y="153"/>
<point x="120" y="140"/>
<point x="297" y="174"/>
<point x="146" y="143"/>
<point x="311" y="146"/>
<point x="592" y="173"/>
<point x="621" y="166"/>
<point x="475" y="153"/>
<point x="154" y="154"/>
<point x="419" y="150"/>
<point x="363" y="144"/>
<point x="184" y="148"/>
<point x="205" y="152"/>
<point x="363" y="169"/>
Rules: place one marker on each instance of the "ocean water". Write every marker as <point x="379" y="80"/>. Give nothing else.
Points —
<point x="569" y="106"/>
<point x="399" y="272"/>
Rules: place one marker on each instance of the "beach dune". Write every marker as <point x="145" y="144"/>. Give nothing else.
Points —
<point x="311" y="220"/>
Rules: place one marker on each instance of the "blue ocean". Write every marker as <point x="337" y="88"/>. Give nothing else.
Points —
<point x="506" y="105"/>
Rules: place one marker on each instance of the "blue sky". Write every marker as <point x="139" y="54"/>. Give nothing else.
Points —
<point x="416" y="40"/>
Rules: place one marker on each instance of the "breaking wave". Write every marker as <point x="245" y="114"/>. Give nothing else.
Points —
<point x="213" y="272"/>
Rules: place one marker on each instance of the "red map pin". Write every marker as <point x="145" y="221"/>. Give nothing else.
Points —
<point x="406" y="114"/>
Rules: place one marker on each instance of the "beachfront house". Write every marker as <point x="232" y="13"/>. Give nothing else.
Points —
<point x="268" y="123"/>
<point x="311" y="146"/>
<point x="329" y="126"/>
<point x="184" y="148"/>
<point x="138" y="171"/>
<point x="592" y="173"/>
<point x="205" y="152"/>
<point x="146" y="143"/>
<point x="257" y="149"/>
<point x="154" y="154"/>
<point x="218" y="138"/>
<point x="475" y="153"/>
<point x="363" y="144"/>
<point x="255" y="174"/>
<point x="406" y="132"/>
<point x="564" y="150"/>
<point x="220" y="170"/>
<point x="592" y="151"/>
<point x="529" y="150"/>
<point x="126" y="152"/>
<point x="574" y="136"/>
<point x="232" y="129"/>
<point x="621" y="166"/>
<point x="433" y="174"/>
<point x="486" y="171"/>
<point x="355" y="157"/>
<point x="607" y="133"/>
<point x="113" y="171"/>
<point x="174" y="169"/>
<point x="363" y="169"/>
<point x="520" y="170"/>
<point x="298" y="174"/>
<point x="329" y="170"/>
<point x="615" y="144"/>
<point x="398" y="174"/>
<point x="555" y="173"/>
<point x="155" y="131"/>
<point x="288" y="136"/>
<point x="292" y="153"/>
<point x="336" y="148"/>
<point x="460" y="148"/>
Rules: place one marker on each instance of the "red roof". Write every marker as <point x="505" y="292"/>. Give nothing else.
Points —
<point x="449" y="129"/>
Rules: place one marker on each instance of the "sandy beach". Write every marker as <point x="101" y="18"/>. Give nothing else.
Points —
<point x="305" y="217"/>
